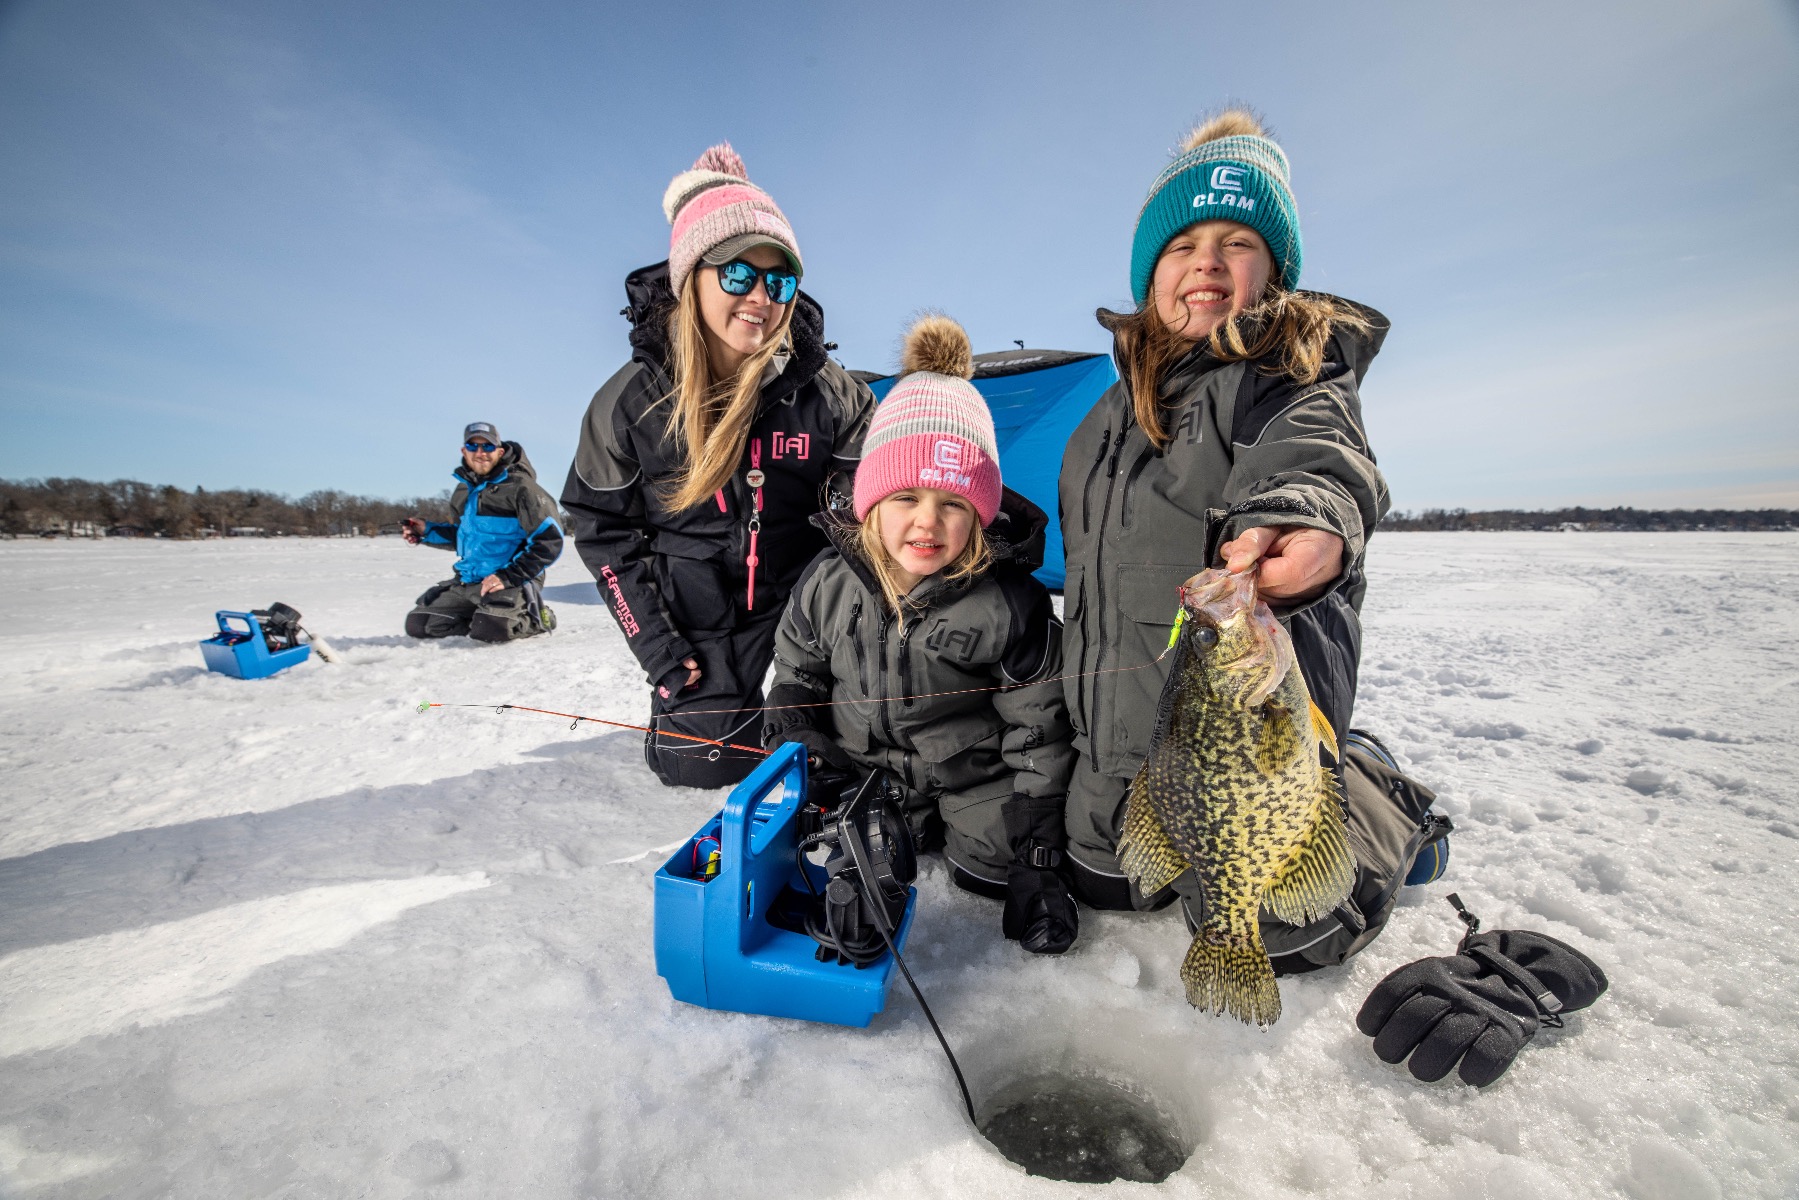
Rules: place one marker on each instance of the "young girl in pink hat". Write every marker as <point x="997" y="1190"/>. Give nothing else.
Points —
<point x="922" y="646"/>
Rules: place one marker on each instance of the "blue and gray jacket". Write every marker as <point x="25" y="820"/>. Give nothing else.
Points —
<point x="505" y="524"/>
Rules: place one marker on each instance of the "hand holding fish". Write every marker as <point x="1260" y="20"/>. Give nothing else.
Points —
<point x="1297" y="562"/>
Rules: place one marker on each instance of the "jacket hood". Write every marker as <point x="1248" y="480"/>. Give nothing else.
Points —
<point x="650" y="300"/>
<point x="512" y="462"/>
<point x="1015" y="538"/>
<point x="1356" y="348"/>
<point x="1351" y="348"/>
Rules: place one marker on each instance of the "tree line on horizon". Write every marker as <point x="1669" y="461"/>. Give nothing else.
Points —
<point x="128" y="508"/>
<point x="1622" y="519"/>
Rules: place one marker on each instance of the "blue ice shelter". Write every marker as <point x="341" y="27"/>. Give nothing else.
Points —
<point x="1037" y="397"/>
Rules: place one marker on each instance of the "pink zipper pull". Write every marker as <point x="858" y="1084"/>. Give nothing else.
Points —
<point x="720" y="497"/>
<point x="752" y="560"/>
<point x="755" y="480"/>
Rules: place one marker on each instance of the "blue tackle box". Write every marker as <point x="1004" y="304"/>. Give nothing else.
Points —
<point x="715" y="944"/>
<point x="245" y="652"/>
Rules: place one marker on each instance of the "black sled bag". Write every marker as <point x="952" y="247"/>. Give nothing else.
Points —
<point x="1390" y="821"/>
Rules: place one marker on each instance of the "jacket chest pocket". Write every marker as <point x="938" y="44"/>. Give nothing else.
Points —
<point x="1148" y="598"/>
<point x="850" y="657"/>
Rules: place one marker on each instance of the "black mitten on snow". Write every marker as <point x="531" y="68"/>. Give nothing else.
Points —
<point x="783" y="720"/>
<point x="1039" y="911"/>
<point x="1480" y="1005"/>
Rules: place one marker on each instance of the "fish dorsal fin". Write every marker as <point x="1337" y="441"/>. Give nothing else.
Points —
<point x="1321" y="725"/>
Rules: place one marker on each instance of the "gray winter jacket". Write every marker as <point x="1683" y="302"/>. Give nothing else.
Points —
<point x="1249" y="448"/>
<point x="838" y="642"/>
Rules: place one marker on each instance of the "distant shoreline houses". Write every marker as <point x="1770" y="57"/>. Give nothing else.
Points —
<point x="80" y="508"/>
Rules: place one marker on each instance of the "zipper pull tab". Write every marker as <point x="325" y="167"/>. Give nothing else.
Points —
<point x="751" y="561"/>
<point x="1468" y="919"/>
<point x="1117" y="448"/>
<point x="755" y="479"/>
<point x="720" y="497"/>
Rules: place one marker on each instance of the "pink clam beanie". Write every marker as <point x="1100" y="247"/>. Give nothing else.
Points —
<point x="714" y="203"/>
<point x="933" y="429"/>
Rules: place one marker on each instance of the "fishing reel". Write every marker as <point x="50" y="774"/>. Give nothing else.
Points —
<point x="869" y="867"/>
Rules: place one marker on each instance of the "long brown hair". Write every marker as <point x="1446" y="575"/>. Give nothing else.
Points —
<point x="711" y="417"/>
<point x="1288" y="328"/>
<point x="974" y="559"/>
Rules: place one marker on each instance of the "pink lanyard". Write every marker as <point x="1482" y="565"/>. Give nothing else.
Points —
<point x="755" y="480"/>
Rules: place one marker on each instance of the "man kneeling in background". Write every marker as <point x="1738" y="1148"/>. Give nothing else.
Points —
<point x="505" y="536"/>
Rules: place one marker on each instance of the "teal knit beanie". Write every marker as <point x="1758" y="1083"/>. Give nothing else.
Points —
<point x="1226" y="170"/>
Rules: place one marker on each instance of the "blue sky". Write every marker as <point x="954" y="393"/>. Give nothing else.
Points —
<point x="298" y="246"/>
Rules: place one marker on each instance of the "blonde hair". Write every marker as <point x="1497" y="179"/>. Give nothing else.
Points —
<point x="975" y="558"/>
<point x="710" y="417"/>
<point x="1290" y="328"/>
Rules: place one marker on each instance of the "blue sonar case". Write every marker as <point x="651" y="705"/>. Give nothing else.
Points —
<point x="714" y="943"/>
<point x="245" y="653"/>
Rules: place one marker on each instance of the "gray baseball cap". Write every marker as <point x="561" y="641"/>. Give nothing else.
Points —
<point x="733" y="247"/>
<point x="482" y="429"/>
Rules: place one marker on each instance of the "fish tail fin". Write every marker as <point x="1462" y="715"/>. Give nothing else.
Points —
<point x="1321" y="873"/>
<point x="1321" y="725"/>
<point x="1232" y="976"/>
<point x="1144" y="852"/>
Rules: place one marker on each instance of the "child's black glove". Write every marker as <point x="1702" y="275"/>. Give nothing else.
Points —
<point x="1039" y="912"/>
<point x="1480" y="1005"/>
<point x="786" y="718"/>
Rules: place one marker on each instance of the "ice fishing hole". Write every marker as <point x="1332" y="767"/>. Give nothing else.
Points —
<point x="1082" y="1129"/>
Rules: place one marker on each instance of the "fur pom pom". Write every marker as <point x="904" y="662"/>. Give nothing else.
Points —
<point x="1232" y="122"/>
<point x="718" y="166"/>
<point x="724" y="160"/>
<point x="939" y="345"/>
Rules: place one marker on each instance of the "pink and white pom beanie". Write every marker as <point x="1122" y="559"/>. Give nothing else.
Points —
<point x="714" y="203"/>
<point x="933" y="429"/>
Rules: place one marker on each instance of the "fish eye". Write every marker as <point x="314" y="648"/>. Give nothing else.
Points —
<point x="1206" y="635"/>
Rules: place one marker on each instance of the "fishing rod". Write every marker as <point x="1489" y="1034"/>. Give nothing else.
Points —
<point x="575" y="719"/>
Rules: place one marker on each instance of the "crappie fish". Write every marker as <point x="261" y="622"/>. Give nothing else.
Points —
<point x="1233" y="787"/>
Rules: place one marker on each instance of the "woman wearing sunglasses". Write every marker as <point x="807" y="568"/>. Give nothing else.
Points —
<point x="702" y="460"/>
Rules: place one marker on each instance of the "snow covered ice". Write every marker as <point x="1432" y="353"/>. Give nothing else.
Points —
<point x="290" y="938"/>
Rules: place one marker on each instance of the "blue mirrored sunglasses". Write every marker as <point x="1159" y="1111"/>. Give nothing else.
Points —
<point x="738" y="278"/>
<point x="479" y="447"/>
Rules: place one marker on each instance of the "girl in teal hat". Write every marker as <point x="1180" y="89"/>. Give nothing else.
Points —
<point x="1234" y="437"/>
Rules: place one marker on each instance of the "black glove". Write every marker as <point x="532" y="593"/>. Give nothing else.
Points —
<point x="1039" y="912"/>
<point x="1480" y="1005"/>
<point x="786" y="720"/>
